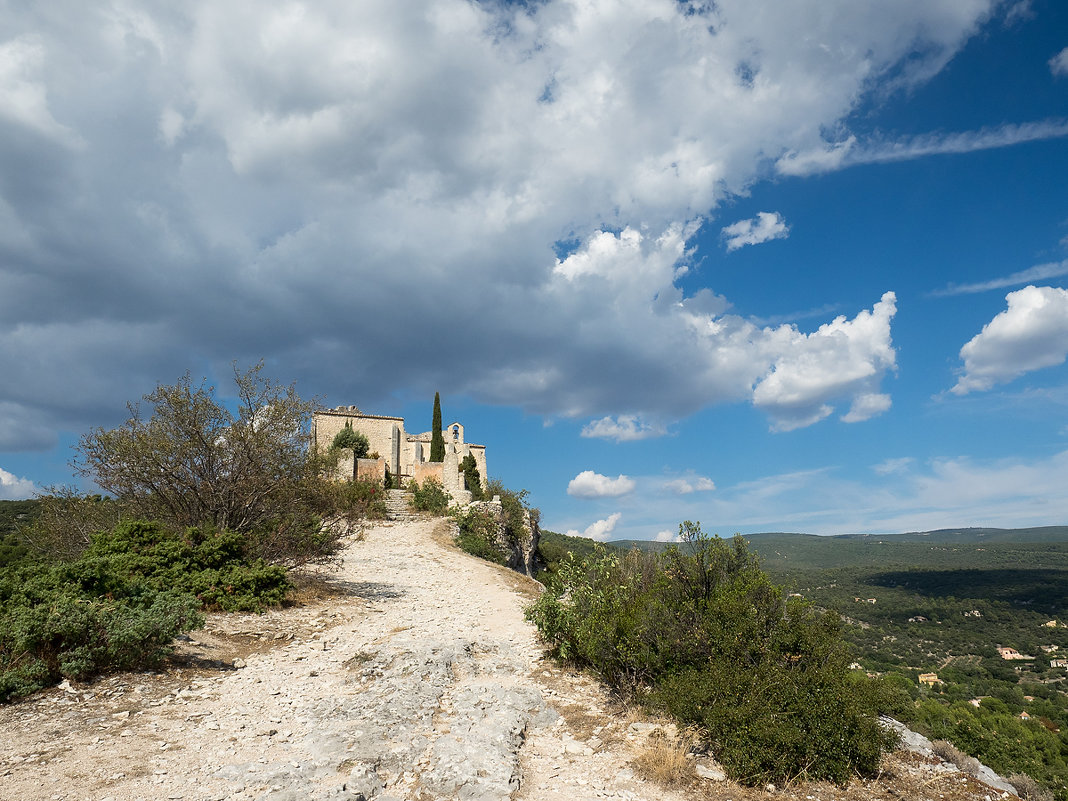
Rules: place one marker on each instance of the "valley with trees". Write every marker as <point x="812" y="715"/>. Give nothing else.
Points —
<point x="943" y="603"/>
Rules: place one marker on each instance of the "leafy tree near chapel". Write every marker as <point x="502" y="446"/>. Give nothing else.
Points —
<point x="347" y="437"/>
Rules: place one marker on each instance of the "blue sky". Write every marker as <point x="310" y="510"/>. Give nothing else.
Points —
<point x="768" y="267"/>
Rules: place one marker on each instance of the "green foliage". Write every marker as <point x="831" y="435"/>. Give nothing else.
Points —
<point x="478" y="534"/>
<point x="497" y="536"/>
<point x="78" y="619"/>
<point x="215" y="566"/>
<point x="12" y="550"/>
<point x="472" y="478"/>
<point x="999" y="738"/>
<point x="193" y="462"/>
<point x="554" y="549"/>
<point x="437" y="441"/>
<point x="430" y="497"/>
<point x="348" y="438"/>
<point x="120" y="604"/>
<point x="360" y="499"/>
<point x="1015" y="579"/>
<point x="700" y="631"/>
<point x="49" y="630"/>
<point x="513" y="502"/>
<point x="16" y="514"/>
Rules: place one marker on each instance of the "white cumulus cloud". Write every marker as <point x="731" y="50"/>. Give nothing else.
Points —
<point x="666" y="536"/>
<point x="385" y="156"/>
<point x="844" y="358"/>
<point x="600" y="531"/>
<point x="1059" y="63"/>
<point x="13" y="488"/>
<point x="866" y="406"/>
<point x="686" y="486"/>
<point x="1030" y="334"/>
<point x="762" y="228"/>
<point x="624" y="428"/>
<point x="589" y="484"/>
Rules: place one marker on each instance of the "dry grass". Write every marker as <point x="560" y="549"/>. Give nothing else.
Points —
<point x="1028" y="788"/>
<point x="314" y="586"/>
<point x="665" y="758"/>
<point x="953" y="755"/>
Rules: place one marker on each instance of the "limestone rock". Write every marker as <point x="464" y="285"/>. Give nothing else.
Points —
<point x="714" y="773"/>
<point x="523" y="550"/>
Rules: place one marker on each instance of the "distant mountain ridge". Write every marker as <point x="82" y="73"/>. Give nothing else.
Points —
<point x="942" y="536"/>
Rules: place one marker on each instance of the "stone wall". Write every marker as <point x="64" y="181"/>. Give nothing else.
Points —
<point x="384" y="434"/>
<point x="371" y="470"/>
<point x="434" y="470"/>
<point x="346" y="466"/>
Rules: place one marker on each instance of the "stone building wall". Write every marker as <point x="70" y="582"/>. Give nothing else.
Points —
<point x="406" y="455"/>
<point x="346" y="465"/>
<point x="427" y="470"/>
<point x="384" y="434"/>
<point x="371" y="470"/>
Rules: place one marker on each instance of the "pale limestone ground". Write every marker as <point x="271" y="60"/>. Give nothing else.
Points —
<point x="416" y="679"/>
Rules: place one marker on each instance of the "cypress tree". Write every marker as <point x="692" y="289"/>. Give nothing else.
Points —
<point x="472" y="477"/>
<point x="437" y="441"/>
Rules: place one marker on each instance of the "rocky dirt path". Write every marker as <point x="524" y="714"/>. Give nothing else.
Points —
<point x="415" y="677"/>
<point x="410" y="675"/>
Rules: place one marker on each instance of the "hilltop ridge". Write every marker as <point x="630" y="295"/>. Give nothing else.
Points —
<point x="408" y="673"/>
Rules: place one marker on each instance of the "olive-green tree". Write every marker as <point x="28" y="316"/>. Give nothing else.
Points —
<point x="701" y="633"/>
<point x="194" y="462"/>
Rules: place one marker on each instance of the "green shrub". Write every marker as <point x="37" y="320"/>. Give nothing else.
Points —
<point x="12" y="550"/>
<point x="51" y="627"/>
<point x="16" y="514"/>
<point x="553" y="550"/>
<point x="360" y="499"/>
<point x="998" y="738"/>
<point x="348" y="438"/>
<point x="700" y="632"/>
<point x="477" y="534"/>
<point x="496" y="538"/>
<point x="214" y="566"/>
<point x="120" y="604"/>
<point x="516" y="511"/>
<point x="430" y="497"/>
